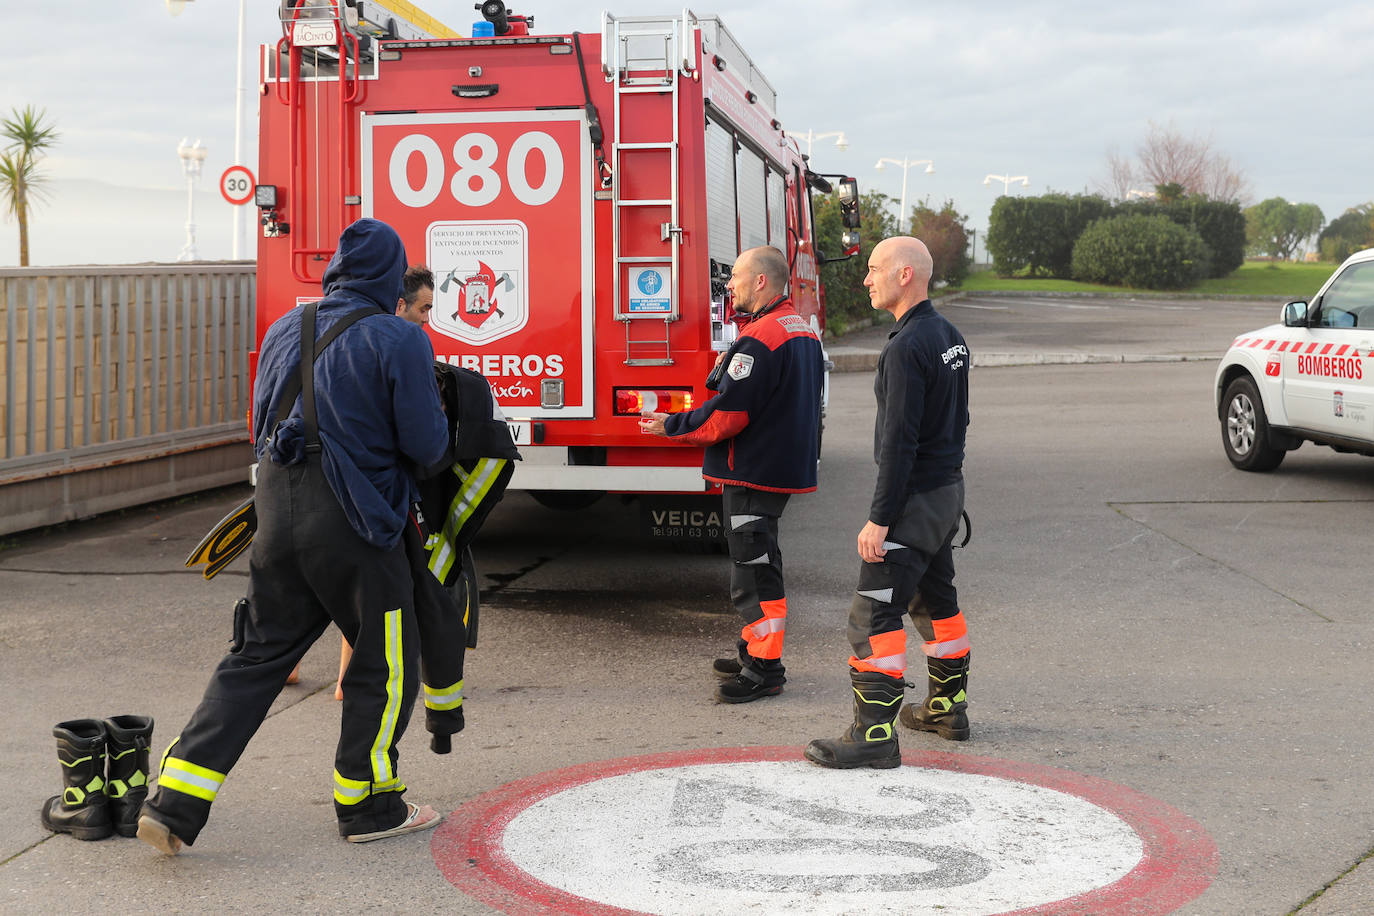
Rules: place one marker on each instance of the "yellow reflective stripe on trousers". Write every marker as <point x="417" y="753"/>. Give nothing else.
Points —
<point x="350" y="791"/>
<point x="190" y="779"/>
<point x="472" y="489"/>
<point x="441" y="698"/>
<point x="386" y="732"/>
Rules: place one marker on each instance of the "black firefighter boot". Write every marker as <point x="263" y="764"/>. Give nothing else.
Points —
<point x="81" y="809"/>
<point x="127" y="785"/>
<point x="871" y="741"/>
<point x="944" y="709"/>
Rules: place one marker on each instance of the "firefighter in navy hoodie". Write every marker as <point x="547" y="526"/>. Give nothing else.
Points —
<point x="761" y="433"/>
<point x="333" y="498"/>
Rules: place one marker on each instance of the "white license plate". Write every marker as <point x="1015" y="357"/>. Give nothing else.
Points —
<point x="520" y="431"/>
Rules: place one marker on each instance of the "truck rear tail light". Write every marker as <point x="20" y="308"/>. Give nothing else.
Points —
<point x="631" y="402"/>
<point x="551" y="393"/>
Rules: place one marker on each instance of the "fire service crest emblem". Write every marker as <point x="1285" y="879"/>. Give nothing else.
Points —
<point x="479" y="274"/>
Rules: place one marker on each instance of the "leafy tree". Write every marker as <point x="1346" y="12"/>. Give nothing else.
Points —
<point x="945" y="232"/>
<point x="21" y="181"/>
<point x="1276" y="228"/>
<point x="1348" y="233"/>
<point x="846" y="299"/>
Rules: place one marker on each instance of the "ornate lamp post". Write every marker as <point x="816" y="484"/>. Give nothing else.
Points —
<point x="192" y="158"/>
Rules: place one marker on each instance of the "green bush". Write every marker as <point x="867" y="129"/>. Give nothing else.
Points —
<point x="1142" y="252"/>
<point x="1037" y="234"/>
<point x="1221" y="225"/>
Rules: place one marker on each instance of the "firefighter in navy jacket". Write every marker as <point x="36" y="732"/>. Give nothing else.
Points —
<point x="333" y="499"/>
<point x="761" y="433"/>
<point x="922" y="391"/>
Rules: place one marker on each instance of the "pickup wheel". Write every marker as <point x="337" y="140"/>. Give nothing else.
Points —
<point x="1245" y="429"/>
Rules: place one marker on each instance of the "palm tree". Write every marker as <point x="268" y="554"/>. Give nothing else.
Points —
<point x="20" y="180"/>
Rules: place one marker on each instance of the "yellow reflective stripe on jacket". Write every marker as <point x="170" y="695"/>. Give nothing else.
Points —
<point x="190" y="779"/>
<point x="386" y="732"/>
<point x="473" y="489"/>
<point x="444" y="697"/>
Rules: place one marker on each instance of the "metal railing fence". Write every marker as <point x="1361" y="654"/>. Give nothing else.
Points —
<point x="102" y="364"/>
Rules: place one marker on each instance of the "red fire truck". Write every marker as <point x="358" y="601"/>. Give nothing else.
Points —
<point x="580" y="199"/>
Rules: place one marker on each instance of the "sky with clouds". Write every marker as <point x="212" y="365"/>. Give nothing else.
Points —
<point x="1042" y="89"/>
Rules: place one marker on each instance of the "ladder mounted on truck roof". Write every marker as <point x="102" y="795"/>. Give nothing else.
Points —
<point x="644" y="55"/>
<point x="341" y="37"/>
<point x="366" y="20"/>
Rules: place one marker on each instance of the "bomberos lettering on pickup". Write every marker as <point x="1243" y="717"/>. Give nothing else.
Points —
<point x="1333" y="366"/>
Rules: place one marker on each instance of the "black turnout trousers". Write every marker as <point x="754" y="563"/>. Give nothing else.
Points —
<point x="308" y="567"/>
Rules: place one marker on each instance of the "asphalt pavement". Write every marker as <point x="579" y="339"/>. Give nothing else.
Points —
<point x="1141" y="613"/>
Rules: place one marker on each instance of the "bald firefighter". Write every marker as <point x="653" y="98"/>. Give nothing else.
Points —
<point x="762" y="438"/>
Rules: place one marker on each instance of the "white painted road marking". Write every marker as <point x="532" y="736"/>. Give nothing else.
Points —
<point x="761" y="830"/>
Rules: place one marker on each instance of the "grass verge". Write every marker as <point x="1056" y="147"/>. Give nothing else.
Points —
<point x="1253" y="278"/>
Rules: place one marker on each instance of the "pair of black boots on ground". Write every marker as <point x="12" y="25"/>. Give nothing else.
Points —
<point x="105" y="776"/>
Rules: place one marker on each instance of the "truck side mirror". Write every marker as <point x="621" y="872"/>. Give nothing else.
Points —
<point x="850" y="241"/>
<point x="1295" y="314"/>
<point x="849" y="204"/>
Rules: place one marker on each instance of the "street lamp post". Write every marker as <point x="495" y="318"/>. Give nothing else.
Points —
<point x="906" y="164"/>
<point x="1006" y="181"/>
<point x="809" y="137"/>
<point x="192" y="158"/>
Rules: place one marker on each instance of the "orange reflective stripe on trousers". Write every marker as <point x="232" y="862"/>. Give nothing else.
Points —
<point x="764" y="635"/>
<point x="887" y="654"/>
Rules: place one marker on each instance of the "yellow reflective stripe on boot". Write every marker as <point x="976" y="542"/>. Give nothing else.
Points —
<point x="444" y="698"/>
<point x="883" y="730"/>
<point x="386" y="733"/>
<point x="118" y="788"/>
<point x="189" y="778"/>
<point x="77" y="795"/>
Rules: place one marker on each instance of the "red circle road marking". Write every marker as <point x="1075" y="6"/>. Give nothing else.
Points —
<point x="1178" y="863"/>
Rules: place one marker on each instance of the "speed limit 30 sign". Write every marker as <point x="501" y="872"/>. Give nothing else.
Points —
<point x="236" y="185"/>
<point x="760" y="830"/>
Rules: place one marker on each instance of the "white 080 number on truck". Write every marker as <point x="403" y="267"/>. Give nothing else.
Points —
<point x="1309" y="378"/>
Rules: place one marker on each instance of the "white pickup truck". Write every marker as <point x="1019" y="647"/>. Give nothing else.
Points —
<point x="1309" y="378"/>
